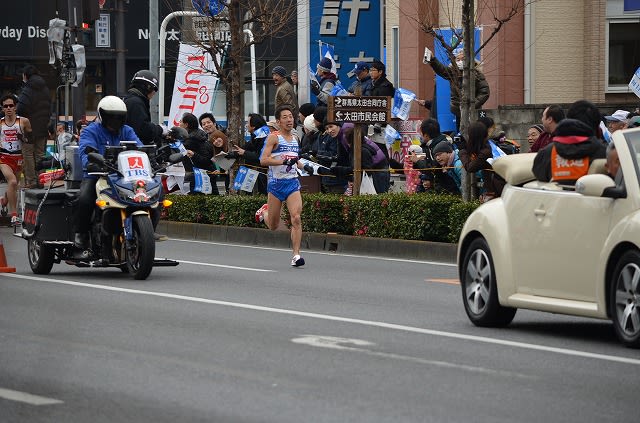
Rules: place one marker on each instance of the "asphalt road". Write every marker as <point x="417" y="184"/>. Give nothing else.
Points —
<point x="234" y="334"/>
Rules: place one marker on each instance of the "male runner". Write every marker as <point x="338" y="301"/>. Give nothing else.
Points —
<point x="280" y="153"/>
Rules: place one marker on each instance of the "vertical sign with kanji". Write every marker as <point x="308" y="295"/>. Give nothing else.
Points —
<point x="103" y="31"/>
<point x="354" y="29"/>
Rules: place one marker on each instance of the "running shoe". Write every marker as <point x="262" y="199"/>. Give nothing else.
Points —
<point x="297" y="261"/>
<point x="260" y="213"/>
<point x="15" y="221"/>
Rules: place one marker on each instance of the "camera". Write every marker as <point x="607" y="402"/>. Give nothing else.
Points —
<point x="457" y="139"/>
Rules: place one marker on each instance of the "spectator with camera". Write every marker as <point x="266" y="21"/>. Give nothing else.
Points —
<point x="431" y="138"/>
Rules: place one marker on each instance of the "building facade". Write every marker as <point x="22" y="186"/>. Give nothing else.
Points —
<point x="553" y="51"/>
<point x="123" y="28"/>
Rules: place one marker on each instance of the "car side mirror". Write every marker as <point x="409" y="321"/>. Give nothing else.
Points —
<point x="599" y="185"/>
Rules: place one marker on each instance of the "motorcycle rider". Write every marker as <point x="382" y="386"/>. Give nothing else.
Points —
<point x="109" y="128"/>
<point x="143" y="86"/>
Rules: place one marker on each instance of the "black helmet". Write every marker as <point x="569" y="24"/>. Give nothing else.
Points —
<point x="145" y="80"/>
<point x="112" y="113"/>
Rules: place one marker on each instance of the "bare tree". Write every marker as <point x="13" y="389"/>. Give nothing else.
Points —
<point x="463" y="80"/>
<point x="224" y="35"/>
<point x="464" y="27"/>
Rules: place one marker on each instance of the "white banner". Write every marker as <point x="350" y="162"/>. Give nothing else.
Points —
<point x="194" y="84"/>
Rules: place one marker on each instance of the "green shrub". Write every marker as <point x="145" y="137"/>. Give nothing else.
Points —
<point x="458" y="214"/>
<point x="426" y="217"/>
<point x="323" y="213"/>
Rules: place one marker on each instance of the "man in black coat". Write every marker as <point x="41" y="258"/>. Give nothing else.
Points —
<point x="142" y="88"/>
<point x="380" y="85"/>
<point x="34" y="103"/>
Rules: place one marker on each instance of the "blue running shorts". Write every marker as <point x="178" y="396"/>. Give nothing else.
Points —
<point x="283" y="188"/>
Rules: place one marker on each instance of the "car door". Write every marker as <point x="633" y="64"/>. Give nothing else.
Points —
<point x="557" y="243"/>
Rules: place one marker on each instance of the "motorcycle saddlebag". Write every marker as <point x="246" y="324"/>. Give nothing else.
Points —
<point x="55" y="217"/>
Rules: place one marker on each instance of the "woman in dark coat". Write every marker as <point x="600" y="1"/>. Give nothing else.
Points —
<point x="251" y="152"/>
<point x="478" y="156"/>
<point x="199" y="149"/>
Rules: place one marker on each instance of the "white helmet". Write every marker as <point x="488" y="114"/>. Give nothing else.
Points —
<point x="112" y="113"/>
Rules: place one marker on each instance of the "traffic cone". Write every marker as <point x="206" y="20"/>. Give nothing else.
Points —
<point x="3" y="261"/>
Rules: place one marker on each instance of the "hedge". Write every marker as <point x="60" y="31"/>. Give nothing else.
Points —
<point x="424" y="217"/>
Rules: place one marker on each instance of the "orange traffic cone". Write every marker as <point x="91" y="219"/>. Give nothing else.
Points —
<point x="3" y="261"/>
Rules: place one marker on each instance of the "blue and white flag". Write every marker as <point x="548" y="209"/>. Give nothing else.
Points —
<point x="496" y="152"/>
<point x="177" y="145"/>
<point x="262" y="132"/>
<point x="245" y="179"/>
<point x="402" y="103"/>
<point x="391" y="135"/>
<point x="635" y="82"/>
<point x="605" y="132"/>
<point x="201" y="181"/>
<point x="338" y="89"/>
<point x="327" y="50"/>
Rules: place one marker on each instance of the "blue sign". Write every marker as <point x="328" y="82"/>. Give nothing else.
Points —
<point x="631" y="5"/>
<point x="351" y="29"/>
<point x="447" y="119"/>
<point x="208" y="7"/>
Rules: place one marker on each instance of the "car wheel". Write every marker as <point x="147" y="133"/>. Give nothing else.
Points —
<point x="479" y="287"/>
<point x="625" y="299"/>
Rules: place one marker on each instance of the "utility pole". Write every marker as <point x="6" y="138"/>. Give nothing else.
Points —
<point x="120" y="48"/>
<point x="154" y="56"/>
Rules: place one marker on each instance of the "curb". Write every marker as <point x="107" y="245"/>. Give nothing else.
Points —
<point x="330" y="242"/>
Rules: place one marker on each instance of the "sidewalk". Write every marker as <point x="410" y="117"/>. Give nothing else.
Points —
<point x="341" y="244"/>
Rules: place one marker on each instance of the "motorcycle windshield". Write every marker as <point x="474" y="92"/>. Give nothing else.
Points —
<point x="134" y="166"/>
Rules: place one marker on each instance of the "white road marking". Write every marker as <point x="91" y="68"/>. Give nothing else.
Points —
<point x="336" y="343"/>
<point x="371" y="323"/>
<point x="323" y="253"/>
<point x="27" y="398"/>
<point x="252" y="269"/>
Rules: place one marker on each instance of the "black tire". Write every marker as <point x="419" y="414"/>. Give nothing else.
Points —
<point x="625" y="299"/>
<point x="480" y="289"/>
<point x="41" y="257"/>
<point x="142" y="251"/>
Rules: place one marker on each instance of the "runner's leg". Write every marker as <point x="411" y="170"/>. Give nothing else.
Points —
<point x="294" y="205"/>
<point x="12" y="187"/>
<point x="272" y="214"/>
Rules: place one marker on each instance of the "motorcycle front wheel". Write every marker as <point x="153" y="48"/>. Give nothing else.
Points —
<point x="142" y="249"/>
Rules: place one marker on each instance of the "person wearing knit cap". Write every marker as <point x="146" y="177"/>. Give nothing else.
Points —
<point x="319" y="114"/>
<point x="551" y="117"/>
<point x="380" y="85"/>
<point x="534" y="133"/>
<point x="328" y="79"/>
<point x="568" y="157"/>
<point x="450" y="161"/>
<point x="285" y="94"/>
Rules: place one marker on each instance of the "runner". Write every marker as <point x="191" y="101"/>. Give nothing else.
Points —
<point x="280" y="153"/>
<point x="14" y="130"/>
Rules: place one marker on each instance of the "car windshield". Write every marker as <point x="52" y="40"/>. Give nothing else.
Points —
<point x="633" y="138"/>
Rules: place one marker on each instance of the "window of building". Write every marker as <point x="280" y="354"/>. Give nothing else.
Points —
<point x="624" y="51"/>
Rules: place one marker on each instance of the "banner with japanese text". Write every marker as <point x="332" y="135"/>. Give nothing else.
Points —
<point x="194" y="83"/>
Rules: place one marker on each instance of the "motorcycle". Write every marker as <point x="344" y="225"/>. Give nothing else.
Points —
<point x="122" y="235"/>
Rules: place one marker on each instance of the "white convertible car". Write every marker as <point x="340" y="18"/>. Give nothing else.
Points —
<point x="545" y="248"/>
